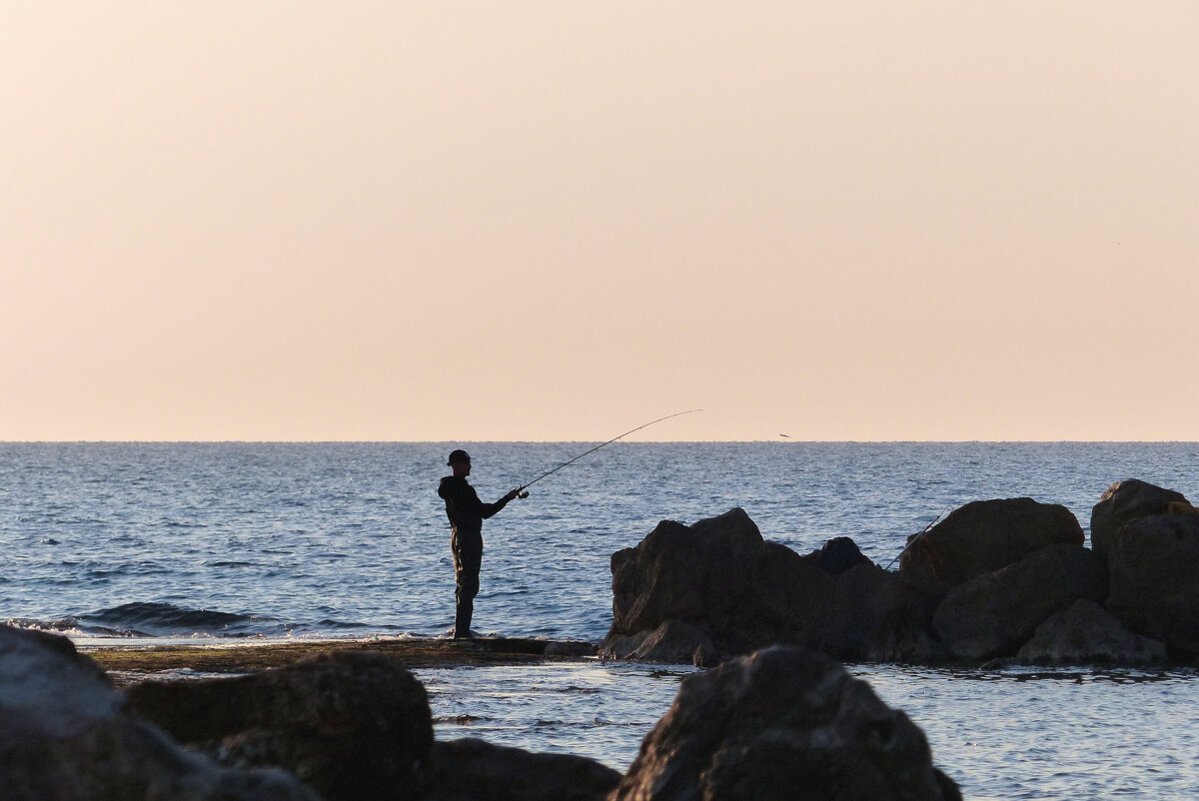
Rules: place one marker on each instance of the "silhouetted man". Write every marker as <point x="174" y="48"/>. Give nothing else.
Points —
<point x="466" y="513"/>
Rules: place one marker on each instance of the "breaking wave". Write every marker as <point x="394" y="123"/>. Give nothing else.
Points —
<point x="147" y="619"/>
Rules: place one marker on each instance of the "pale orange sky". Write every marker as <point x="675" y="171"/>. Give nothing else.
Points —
<point x="555" y="221"/>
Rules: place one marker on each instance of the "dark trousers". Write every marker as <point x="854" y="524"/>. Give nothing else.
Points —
<point x="468" y="558"/>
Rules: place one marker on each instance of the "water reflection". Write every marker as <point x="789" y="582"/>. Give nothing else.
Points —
<point x="600" y="710"/>
<point x="1053" y="733"/>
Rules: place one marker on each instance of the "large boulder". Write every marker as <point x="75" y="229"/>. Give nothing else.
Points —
<point x="1087" y="634"/>
<point x="995" y="613"/>
<point x="473" y="770"/>
<point x="784" y="723"/>
<point x="1153" y="563"/>
<point x="65" y="736"/>
<point x="697" y="572"/>
<point x="1126" y="501"/>
<point x="349" y="724"/>
<point x="984" y="536"/>
<point x="718" y="587"/>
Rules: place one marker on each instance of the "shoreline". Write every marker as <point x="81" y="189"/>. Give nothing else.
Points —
<point x="414" y="653"/>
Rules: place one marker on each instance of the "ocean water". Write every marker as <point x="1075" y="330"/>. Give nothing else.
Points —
<point x="157" y="542"/>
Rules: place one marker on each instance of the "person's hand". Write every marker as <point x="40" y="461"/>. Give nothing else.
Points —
<point x="514" y="493"/>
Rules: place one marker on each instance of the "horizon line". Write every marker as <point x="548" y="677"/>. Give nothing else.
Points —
<point x="777" y="441"/>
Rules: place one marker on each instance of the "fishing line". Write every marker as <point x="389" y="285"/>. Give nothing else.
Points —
<point x="546" y="474"/>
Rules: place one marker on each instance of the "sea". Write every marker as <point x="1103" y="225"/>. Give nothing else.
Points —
<point x="130" y="543"/>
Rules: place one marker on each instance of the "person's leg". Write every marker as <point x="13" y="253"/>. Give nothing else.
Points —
<point x="467" y="562"/>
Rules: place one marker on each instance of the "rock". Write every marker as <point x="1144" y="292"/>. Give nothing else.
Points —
<point x="838" y="555"/>
<point x="984" y="536"/>
<point x="1087" y="634"/>
<point x="735" y="592"/>
<point x="995" y="613"/>
<point x="783" y="723"/>
<point x="65" y="736"/>
<point x="575" y="648"/>
<point x="1128" y="500"/>
<point x="473" y="770"/>
<point x="686" y="573"/>
<point x="673" y="642"/>
<point x="349" y="724"/>
<point x="1153" y="563"/>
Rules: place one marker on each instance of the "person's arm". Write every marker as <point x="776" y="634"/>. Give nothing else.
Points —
<point x="488" y="509"/>
<point x="468" y="501"/>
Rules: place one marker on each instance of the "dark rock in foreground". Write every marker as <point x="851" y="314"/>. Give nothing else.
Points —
<point x="783" y="723"/>
<point x="65" y="736"/>
<point x="473" y="770"/>
<point x="350" y="725"/>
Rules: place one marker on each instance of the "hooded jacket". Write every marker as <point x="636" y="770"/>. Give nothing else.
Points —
<point x="463" y="507"/>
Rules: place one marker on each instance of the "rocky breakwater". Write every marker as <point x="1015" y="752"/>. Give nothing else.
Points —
<point x="782" y="723"/>
<point x="996" y="579"/>
<point x="716" y="588"/>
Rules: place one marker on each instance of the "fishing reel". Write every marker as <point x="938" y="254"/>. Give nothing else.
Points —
<point x="522" y="493"/>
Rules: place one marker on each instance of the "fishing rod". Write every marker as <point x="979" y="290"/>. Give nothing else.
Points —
<point x="523" y="491"/>
<point x="917" y="537"/>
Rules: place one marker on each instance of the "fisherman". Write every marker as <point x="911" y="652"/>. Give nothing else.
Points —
<point x="466" y="513"/>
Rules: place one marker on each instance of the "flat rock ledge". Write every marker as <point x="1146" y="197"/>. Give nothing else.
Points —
<point x="251" y="657"/>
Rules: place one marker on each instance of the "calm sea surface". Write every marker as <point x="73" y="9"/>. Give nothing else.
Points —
<point x="170" y="541"/>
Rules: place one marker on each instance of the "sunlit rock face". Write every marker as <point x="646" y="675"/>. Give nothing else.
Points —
<point x="783" y="723"/>
<point x="65" y="736"/>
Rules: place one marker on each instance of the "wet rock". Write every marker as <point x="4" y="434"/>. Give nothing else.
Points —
<point x="473" y="770"/>
<point x="995" y="613"/>
<point x="1087" y="634"/>
<point x="735" y="592"/>
<point x="673" y="642"/>
<point x="1126" y="501"/>
<point x="984" y="536"/>
<point x="784" y="723"/>
<point x="65" y="736"/>
<point x="350" y="725"/>
<point x="1153" y="563"/>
